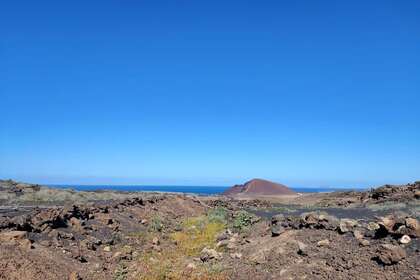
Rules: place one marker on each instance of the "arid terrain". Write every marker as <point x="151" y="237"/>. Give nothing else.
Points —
<point x="50" y="233"/>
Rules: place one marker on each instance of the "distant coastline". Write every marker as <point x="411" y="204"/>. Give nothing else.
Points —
<point x="202" y="190"/>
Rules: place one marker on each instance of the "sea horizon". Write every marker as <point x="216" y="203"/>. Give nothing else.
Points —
<point x="194" y="189"/>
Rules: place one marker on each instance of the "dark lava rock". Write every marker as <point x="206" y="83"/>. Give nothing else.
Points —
<point x="276" y="230"/>
<point x="276" y="225"/>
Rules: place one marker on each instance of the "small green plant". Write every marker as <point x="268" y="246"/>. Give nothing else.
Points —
<point x="217" y="215"/>
<point x="121" y="272"/>
<point x="242" y="220"/>
<point x="156" y="224"/>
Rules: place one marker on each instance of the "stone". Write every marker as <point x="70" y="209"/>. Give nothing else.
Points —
<point x="309" y="219"/>
<point x="329" y="222"/>
<point x="389" y="254"/>
<point x="222" y="243"/>
<point x="155" y="241"/>
<point x="370" y="229"/>
<point x="277" y="219"/>
<point x="387" y="222"/>
<point x="276" y="230"/>
<point x="236" y="255"/>
<point x="107" y="248"/>
<point x="372" y="226"/>
<point x="358" y="234"/>
<point x="75" y="222"/>
<point x="276" y="225"/>
<point x="117" y="255"/>
<point x="283" y="271"/>
<point x="347" y="225"/>
<point x="322" y="216"/>
<point x="208" y="254"/>
<point x="364" y="242"/>
<point x="403" y="230"/>
<point x="405" y="239"/>
<point x="26" y="244"/>
<point x="46" y="243"/>
<point x="74" y="276"/>
<point x="302" y="248"/>
<point x="414" y="226"/>
<point x="191" y="266"/>
<point x="222" y="236"/>
<point x="323" y="243"/>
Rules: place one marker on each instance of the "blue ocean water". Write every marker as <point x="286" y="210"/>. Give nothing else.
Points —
<point x="201" y="190"/>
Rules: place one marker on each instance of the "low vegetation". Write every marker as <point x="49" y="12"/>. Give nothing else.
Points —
<point x="242" y="220"/>
<point x="121" y="272"/>
<point x="197" y="233"/>
<point x="218" y="215"/>
<point x="156" y="224"/>
<point x="192" y="235"/>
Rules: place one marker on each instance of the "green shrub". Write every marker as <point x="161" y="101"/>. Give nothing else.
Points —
<point x="156" y="224"/>
<point x="217" y="215"/>
<point x="121" y="272"/>
<point x="242" y="220"/>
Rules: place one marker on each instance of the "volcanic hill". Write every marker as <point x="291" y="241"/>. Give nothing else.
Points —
<point x="259" y="187"/>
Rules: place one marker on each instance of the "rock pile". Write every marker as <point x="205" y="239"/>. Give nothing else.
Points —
<point x="209" y="254"/>
<point x="61" y="217"/>
<point x="393" y="228"/>
<point x="395" y="193"/>
<point x="315" y="220"/>
<point x="389" y="254"/>
<point x="399" y="225"/>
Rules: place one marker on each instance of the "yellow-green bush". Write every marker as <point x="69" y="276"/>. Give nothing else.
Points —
<point x="195" y="234"/>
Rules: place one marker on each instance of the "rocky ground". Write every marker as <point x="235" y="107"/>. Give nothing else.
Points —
<point x="62" y="234"/>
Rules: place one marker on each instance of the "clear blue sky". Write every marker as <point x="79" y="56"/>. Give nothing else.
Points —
<point x="323" y="93"/>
